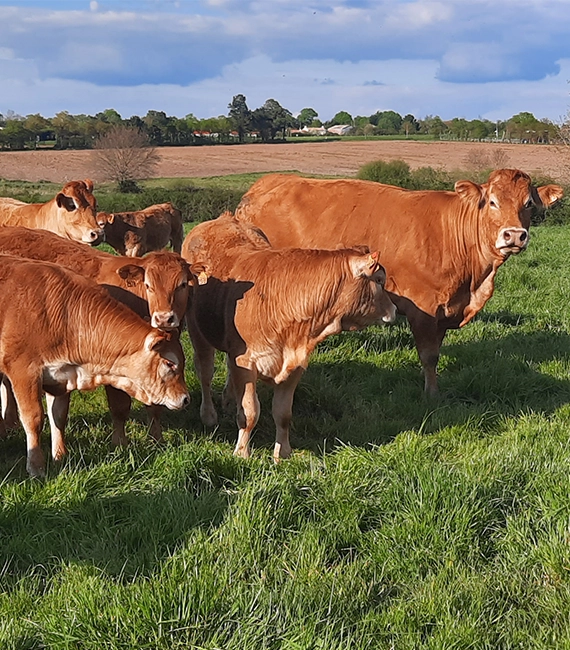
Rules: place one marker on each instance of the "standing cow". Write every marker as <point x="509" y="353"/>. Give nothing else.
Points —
<point x="268" y="309"/>
<point x="160" y="281"/>
<point x="60" y="332"/>
<point x="441" y="249"/>
<point x="152" y="229"/>
<point x="72" y="214"/>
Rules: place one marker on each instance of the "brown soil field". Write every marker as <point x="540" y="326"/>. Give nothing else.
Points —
<point x="335" y="158"/>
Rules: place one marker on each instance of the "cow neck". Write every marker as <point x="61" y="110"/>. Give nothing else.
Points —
<point x="471" y="249"/>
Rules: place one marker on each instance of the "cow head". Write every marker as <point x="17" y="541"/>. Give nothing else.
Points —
<point x="160" y="365"/>
<point x="77" y="212"/>
<point x="504" y="206"/>
<point x="167" y="278"/>
<point x="373" y="304"/>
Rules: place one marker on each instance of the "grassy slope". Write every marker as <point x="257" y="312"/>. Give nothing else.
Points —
<point x="398" y="523"/>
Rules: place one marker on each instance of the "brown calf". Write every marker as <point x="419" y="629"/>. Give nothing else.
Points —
<point x="152" y="229"/>
<point x="71" y="214"/>
<point x="60" y="332"/>
<point x="162" y="279"/>
<point x="268" y="309"/>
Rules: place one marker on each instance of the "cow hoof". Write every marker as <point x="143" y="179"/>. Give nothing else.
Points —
<point x="35" y="471"/>
<point x="281" y="452"/>
<point x="242" y="452"/>
<point x="59" y="454"/>
<point x="209" y="417"/>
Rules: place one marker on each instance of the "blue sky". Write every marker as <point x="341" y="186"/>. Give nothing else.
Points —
<point x="452" y="58"/>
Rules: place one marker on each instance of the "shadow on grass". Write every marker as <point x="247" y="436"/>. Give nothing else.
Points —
<point x="361" y="403"/>
<point x="125" y="523"/>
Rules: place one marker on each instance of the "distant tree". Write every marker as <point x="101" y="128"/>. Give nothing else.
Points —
<point x="342" y="117"/>
<point x="124" y="155"/>
<point x="271" y="119"/>
<point x="433" y="125"/>
<point x="386" y="122"/>
<point x="110" y="116"/>
<point x="307" y="116"/>
<point x="240" y="116"/>
<point x="281" y="118"/>
<point x="15" y="135"/>
<point x="39" y="127"/>
<point x="409" y="125"/>
<point x="523" y="126"/>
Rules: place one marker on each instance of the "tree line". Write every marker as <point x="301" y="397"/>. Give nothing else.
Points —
<point x="270" y="122"/>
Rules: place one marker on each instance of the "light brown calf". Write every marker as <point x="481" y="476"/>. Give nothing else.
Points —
<point x="268" y="309"/>
<point x="152" y="229"/>
<point x="71" y="214"/>
<point x="161" y="278"/>
<point x="60" y="332"/>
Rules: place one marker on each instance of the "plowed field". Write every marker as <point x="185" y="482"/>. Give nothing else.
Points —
<point x="331" y="158"/>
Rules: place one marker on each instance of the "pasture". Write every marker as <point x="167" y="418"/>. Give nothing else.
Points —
<point x="398" y="523"/>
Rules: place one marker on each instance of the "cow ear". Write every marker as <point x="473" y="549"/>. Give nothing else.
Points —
<point x="200" y="272"/>
<point x="132" y="274"/>
<point x="88" y="184"/>
<point x="364" y="266"/>
<point x="155" y="340"/>
<point x="64" y="201"/>
<point x="549" y="194"/>
<point x="469" y="191"/>
<point x="103" y="218"/>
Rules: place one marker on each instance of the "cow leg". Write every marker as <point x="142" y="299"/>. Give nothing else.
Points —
<point x="58" y="410"/>
<point x="228" y="394"/>
<point x="155" y="430"/>
<point x="28" y="394"/>
<point x="204" y="355"/>
<point x="428" y="337"/>
<point x="9" y="407"/>
<point x="243" y="381"/>
<point x="282" y="412"/>
<point x="120" y="407"/>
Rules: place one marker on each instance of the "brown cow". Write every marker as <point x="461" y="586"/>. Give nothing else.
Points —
<point x="441" y="249"/>
<point x="60" y="332"/>
<point x="152" y="229"/>
<point x="268" y="309"/>
<point x="71" y="214"/>
<point x="161" y="278"/>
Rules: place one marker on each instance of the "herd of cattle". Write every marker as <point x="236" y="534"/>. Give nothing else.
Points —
<point x="298" y="261"/>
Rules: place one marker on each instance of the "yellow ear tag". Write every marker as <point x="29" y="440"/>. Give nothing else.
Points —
<point x="202" y="277"/>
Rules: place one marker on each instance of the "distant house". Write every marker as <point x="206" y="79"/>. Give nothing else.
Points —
<point x="340" y="129"/>
<point x="309" y="130"/>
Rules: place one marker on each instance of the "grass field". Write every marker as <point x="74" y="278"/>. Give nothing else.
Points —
<point x="398" y="523"/>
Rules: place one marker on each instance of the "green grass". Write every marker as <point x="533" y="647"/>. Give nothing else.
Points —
<point x="398" y="523"/>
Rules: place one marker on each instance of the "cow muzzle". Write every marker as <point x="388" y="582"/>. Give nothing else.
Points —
<point x="178" y="403"/>
<point x="165" y="320"/>
<point x="390" y="315"/>
<point x="512" y="240"/>
<point x="94" y="237"/>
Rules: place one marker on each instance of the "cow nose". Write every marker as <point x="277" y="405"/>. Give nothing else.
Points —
<point x="165" y="320"/>
<point x="515" y="237"/>
<point x="510" y="239"/>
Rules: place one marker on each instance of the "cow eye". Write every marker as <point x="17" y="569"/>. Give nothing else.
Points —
<point x="492" y="203"/>
<point x="170" y="365"/>
<point x="528" y="204"/>
<point x="147" y="286"/>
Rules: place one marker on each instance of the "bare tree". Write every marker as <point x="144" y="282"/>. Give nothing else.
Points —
<point x="477" y="159"/>
<point x="123" y="154"/>
<point x="499" y="158"/>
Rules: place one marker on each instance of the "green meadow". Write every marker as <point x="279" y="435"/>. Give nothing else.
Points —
<point x="398" y="523"/>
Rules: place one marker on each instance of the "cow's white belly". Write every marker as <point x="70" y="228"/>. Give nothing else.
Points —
<point x="69" y="376"/>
